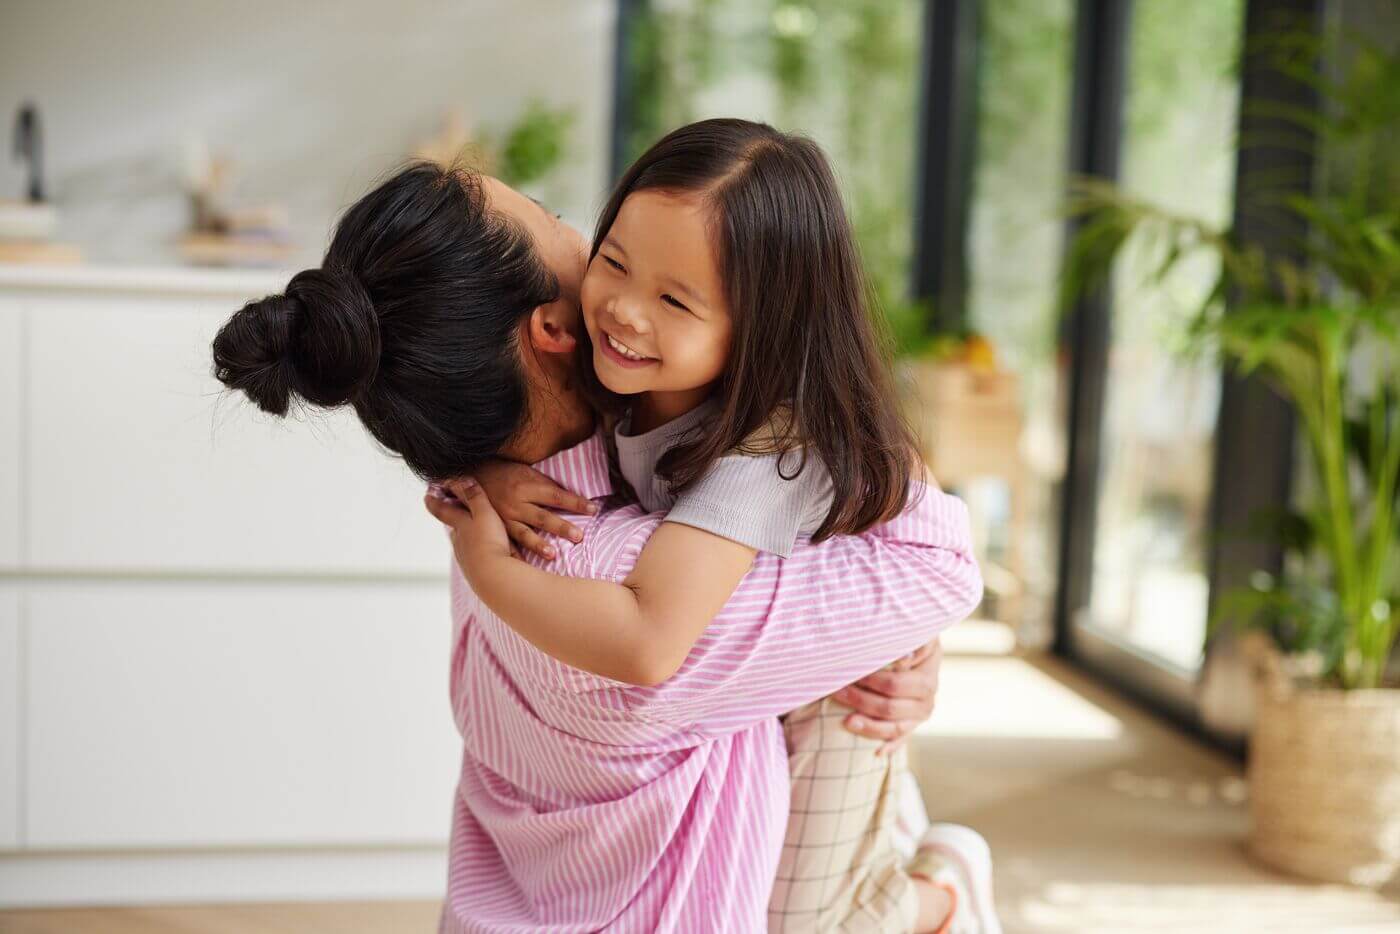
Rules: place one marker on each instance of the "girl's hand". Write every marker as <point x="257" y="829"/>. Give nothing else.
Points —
<point x="524" y="497"/>
<point x="477" y="533"/>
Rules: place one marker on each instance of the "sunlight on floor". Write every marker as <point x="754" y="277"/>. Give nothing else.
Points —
<point x="1103" y="819"/>
<point x="1007" y="698"/>
<point x="1109" y="909"/>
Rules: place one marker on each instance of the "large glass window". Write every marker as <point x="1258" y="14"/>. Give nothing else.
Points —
<point x="1150" y="585"/>
<point x="1025" y="51"/>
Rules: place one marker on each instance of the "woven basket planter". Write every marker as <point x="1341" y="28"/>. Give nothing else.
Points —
<point x="1324" y="782"/>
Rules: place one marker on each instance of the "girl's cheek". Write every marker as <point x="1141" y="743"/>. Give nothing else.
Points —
<point x="721" y="343"/>
<point x="707" y="358"/>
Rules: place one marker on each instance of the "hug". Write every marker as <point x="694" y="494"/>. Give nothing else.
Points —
<point x="690" y="530"/>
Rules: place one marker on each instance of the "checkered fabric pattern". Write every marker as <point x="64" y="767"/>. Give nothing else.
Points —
<point x="839" y="869"/>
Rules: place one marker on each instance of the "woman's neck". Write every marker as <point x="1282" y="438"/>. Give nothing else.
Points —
<point x="651" y="410"/>
<point x="559" y="416"/>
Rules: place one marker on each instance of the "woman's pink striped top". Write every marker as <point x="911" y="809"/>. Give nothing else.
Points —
<point x="585" y="804"/>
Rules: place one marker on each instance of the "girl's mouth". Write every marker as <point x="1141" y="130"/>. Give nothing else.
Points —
<point x="621" y="354"/>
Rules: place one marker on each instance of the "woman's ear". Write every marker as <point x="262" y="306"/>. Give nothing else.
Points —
<point x="549" y="329"/>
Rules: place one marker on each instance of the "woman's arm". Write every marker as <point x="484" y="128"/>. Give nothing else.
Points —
<point x="638" y="631"/>
<point x="831" y="614"/>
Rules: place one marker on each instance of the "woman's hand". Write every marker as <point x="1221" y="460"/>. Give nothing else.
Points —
<point x="890" y="703"/>
<point x="524" y="497"/>
<point x="478" y="535"/>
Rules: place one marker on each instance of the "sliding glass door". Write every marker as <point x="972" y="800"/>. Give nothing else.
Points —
<point x="1149" y="581"/>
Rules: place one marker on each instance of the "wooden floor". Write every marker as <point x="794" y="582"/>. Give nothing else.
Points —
<point x="1102" y="820"/>
<point x="309" y="918"/>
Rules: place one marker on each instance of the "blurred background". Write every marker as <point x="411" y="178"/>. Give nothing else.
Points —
<point x="1140" y="264"/>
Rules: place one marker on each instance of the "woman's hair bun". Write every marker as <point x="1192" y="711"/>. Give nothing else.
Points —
<point x="319" y="340"/>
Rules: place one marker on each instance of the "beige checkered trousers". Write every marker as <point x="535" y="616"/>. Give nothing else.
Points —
<point x="839" y="869"/>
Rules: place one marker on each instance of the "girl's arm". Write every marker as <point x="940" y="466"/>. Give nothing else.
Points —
<point x="638" y="631"/>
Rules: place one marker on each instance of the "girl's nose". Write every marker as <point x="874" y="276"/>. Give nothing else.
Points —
<point x="627" y="314"/>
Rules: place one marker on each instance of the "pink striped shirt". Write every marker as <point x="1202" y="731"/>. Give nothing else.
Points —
<point x="585" y="804"/>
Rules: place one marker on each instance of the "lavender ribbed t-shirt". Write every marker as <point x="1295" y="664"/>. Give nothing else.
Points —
<point x="759" y="500"/>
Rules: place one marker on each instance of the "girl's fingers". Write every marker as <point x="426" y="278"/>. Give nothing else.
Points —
<point x="554" y="524"/>
<point x="484" y="529"/>
<point x="464" y="488"/>
<point x="446" y="511"/>
<point x="560" y="498"/>
<point x="529" y="539"/>
<point x="436" y="507"/>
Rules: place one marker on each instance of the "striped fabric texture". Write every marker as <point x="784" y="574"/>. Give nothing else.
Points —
<point x="585" y="804"/>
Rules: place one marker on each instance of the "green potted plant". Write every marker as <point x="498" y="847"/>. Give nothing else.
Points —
<point x="1325" y="332"/>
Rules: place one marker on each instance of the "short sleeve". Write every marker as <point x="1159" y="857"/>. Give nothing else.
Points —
<point x="756" y="501"/>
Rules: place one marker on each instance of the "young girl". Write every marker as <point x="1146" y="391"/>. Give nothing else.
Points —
<point x="729" y="331"/>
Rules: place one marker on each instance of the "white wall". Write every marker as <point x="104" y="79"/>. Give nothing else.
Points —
<point x="313" y="99"/>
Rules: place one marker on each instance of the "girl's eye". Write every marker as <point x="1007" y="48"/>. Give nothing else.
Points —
<point x="614" y="263"/>
<point x="671" y="300"/>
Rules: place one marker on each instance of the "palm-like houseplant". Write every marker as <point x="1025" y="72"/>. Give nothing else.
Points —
<point x="1324" y="330"/>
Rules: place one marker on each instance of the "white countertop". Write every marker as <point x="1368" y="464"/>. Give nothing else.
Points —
<point x="110" y="278"/>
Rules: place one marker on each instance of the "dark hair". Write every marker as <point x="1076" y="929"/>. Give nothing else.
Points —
<point x="807" y="359"/>
<point x="413" y="318"/>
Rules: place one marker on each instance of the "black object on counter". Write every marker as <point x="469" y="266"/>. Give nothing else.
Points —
<point x="29" y="146"/>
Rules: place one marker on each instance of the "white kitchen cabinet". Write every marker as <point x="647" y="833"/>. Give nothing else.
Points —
<point x="204" y="715"/>
<point x="223" y="636"/>
<point x="137" y="459"/>
<point x="11" y="410"/>
<point x="9" y="717"/>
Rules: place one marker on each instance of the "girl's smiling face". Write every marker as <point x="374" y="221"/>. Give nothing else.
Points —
<point x="655" y="307"/>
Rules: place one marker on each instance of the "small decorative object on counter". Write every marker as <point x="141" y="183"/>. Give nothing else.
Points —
<point x="27" y="226"/>
<point x="221" y="233"/>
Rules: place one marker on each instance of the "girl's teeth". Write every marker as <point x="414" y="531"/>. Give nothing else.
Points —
<point x="615" y="345"/>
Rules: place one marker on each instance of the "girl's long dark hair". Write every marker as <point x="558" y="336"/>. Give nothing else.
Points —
<point x="413" y="318"/>
<point x="807" y="355"/>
